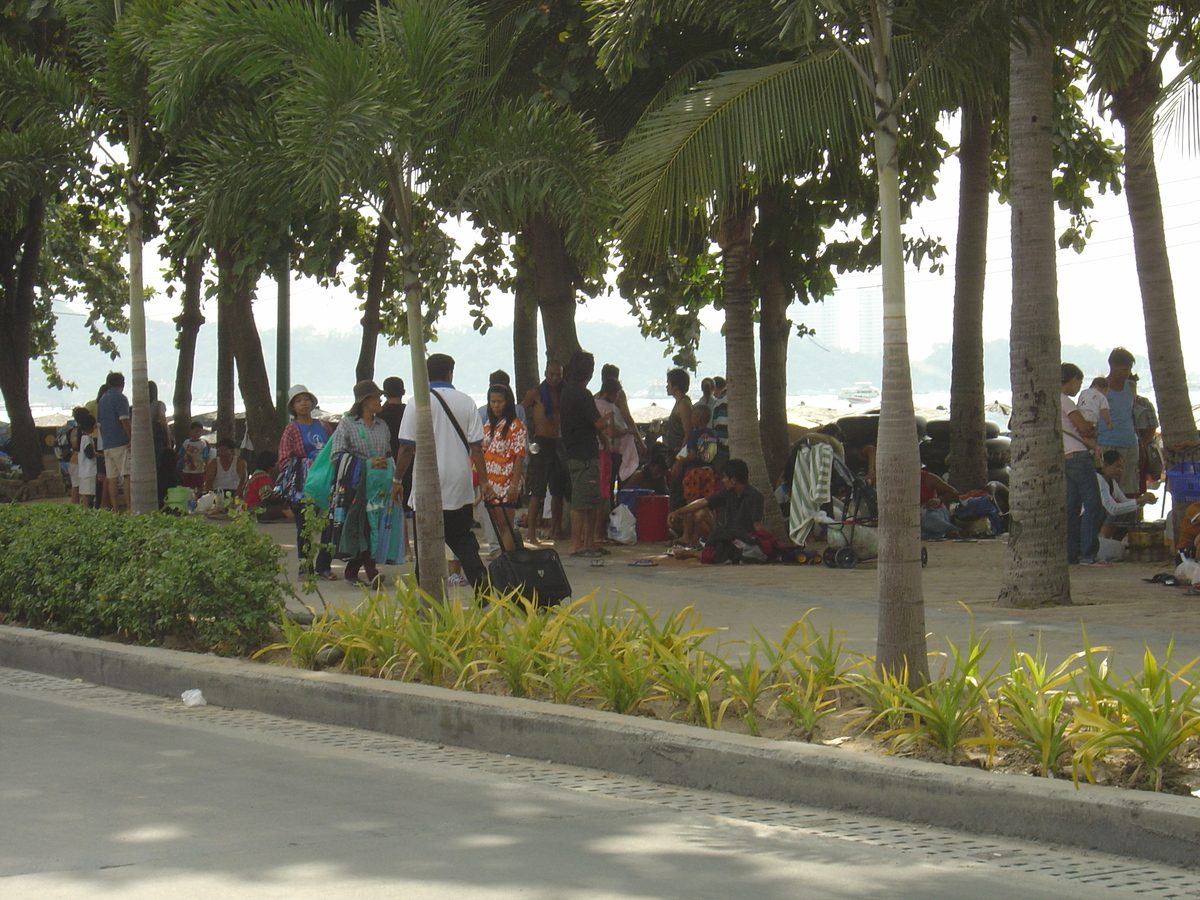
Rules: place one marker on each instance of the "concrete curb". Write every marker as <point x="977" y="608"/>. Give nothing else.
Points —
<point x="1130" y="823"/>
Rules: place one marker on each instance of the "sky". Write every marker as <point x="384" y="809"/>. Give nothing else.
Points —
<point x="1098" y="291"/>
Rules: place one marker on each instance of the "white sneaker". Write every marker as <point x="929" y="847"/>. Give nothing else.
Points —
<point x="1098" y="563"/>
<point x="457" y="580"/>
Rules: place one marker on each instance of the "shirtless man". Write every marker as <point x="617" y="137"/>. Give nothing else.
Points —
<point x="547" y="471"/>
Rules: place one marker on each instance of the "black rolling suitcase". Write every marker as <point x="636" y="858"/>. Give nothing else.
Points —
<point x="537" y="575"/>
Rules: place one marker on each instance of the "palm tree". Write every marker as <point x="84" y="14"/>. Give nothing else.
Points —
<point x="361" y="119"/>
<point x="1036" y="573"/>
<point x="819" y="101"/>
<point x="535" y="170"/>
<point x="1126" y="51"/>
<point x="44" y="143"/>
<point x="106" y="34"/>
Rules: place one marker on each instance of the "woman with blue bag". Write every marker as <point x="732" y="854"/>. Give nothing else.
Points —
<point x="360" y="504"/>
<point x="299" y="446"/>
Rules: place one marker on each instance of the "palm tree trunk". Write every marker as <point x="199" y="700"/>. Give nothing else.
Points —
<point x="188" y="322"/>
<point x="16" y="332"/>
<point x="968" y="449"/>
<point x="526" y="372"/>
<point x="226" y="389"/>
<point x="900" y="638"/>
<point x="430" y="535"/>
<point x="1130" y="105"/>
<point x="1036" y="573"/>
<point x="365" y="368"/>
<point x="774" y="330"/>
<point x="143" y="468"/>
<point x="554" y="278"/>
<point x="262" y="424"/>
<point x="745" y="442"/>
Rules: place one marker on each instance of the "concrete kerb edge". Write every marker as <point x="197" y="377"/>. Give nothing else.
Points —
<point x="1149" y="826"/>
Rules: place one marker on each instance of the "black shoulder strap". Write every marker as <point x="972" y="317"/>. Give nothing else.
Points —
<point x="453" y="420"/>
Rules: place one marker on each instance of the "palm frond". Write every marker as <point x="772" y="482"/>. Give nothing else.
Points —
<point x="1178" y="110"/>
<point x="535" y="158"/>
<point x="766" y="123"/>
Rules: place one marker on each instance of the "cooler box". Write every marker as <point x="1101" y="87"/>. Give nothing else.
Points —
<point x="651" y="515"/>
<point x="1183" y="481"/>
<point x="630" y="496"/>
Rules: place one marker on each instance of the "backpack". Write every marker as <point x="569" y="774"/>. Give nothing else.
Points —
<point x="62" y="443"/>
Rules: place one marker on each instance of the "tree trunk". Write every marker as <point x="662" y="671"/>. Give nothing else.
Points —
<point x="554" y="279"/>
<point x="283" y="333"/>
<point x="745" y="442"/>
<point x="365" y="369"/>
<point x="16" y="333"/>
<point x="526" y="371"/>
<point x="968" y="449"/>
<point x="226" y="391"/>
<point x="262" y="424"/>
<point x="900" y="641"/>
<point x="1036" y="573"/>
<point x="774" y="330"/>
<point x="1130" y="106"/>
<point x="430" y="537"/>
<point x="188" y="322"/>
<point x="143" y="467"/>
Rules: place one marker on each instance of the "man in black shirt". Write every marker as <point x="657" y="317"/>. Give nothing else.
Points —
<point x="580" y="422"/>
<point x="738" y="507"/>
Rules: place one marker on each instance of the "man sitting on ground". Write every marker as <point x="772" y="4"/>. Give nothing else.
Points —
<point x="739" y="513"/>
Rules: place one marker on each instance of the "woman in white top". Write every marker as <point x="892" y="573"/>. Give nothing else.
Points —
<point x="1121" y="510"/>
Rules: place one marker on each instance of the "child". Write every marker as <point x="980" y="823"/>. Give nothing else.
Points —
<point x="85" y="469"/>
<point x="261" y="496"/>
<point x="1093" y="402"/>
<point x="193" y="458"/>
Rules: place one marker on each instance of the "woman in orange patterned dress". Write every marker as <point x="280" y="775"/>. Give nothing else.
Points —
<point x="504" y="442"/>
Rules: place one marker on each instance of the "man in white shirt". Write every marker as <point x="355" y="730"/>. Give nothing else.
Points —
<point x="1084" y="513"/>
<point x="455" y="458"/>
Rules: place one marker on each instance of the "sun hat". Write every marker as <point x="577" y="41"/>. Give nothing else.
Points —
<point x="365" y="389"/>
<point x="295" y="391"/>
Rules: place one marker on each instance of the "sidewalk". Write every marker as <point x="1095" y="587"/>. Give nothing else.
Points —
<point x="1115" y="606"/>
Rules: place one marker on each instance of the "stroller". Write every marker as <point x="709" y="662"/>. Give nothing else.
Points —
<point x="821" y="488"/>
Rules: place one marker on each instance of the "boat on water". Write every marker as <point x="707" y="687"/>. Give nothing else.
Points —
<point x="862" y="392"/>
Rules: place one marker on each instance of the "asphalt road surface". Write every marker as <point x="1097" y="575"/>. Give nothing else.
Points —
<point x="105" y="794"/>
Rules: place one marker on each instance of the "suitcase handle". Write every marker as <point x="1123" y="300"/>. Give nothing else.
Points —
<point x="497" y="514"/>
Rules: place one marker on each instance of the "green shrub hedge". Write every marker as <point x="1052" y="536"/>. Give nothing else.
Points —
<point x="146" y="578"/>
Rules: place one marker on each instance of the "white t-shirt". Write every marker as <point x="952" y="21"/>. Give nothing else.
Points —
<point x="1091" y="401"/>
<point x="87" y="467"/>
<point x="454" y="463"/>
<point x="1072" y="439"/>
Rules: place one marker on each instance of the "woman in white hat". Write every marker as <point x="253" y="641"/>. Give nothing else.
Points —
<point x="299" y="445"/>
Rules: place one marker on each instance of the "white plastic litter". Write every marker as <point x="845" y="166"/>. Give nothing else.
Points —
<point x="193" y="698"/>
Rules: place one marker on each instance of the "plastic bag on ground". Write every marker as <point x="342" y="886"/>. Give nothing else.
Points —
<point x="622" y="525"/>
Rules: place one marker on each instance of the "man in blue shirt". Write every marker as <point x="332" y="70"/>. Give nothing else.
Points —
<point x="112" y="412"/>
<point x="1122" y="436"/>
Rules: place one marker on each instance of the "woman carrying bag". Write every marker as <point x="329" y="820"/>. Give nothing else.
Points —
<point x="360" y="500"/>
<point x="301" y="442"/>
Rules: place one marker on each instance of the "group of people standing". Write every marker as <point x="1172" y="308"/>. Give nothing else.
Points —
<point x="1107" y="441"/>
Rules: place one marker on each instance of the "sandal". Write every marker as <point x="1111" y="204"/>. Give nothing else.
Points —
<point x="644" y="562"/>
<point x="327" y="575"/>
<point x="587" y="554"/>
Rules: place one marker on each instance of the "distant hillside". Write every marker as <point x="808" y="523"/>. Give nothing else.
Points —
<point x="325" y="362"/>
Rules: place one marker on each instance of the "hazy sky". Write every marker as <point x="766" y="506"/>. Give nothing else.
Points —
<point x="1098" y="290"/>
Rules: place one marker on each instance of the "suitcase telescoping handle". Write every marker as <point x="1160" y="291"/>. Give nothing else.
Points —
<point x="497" y="514"/>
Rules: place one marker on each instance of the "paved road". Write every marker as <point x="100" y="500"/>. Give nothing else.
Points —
<point x="114" y="795"/>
